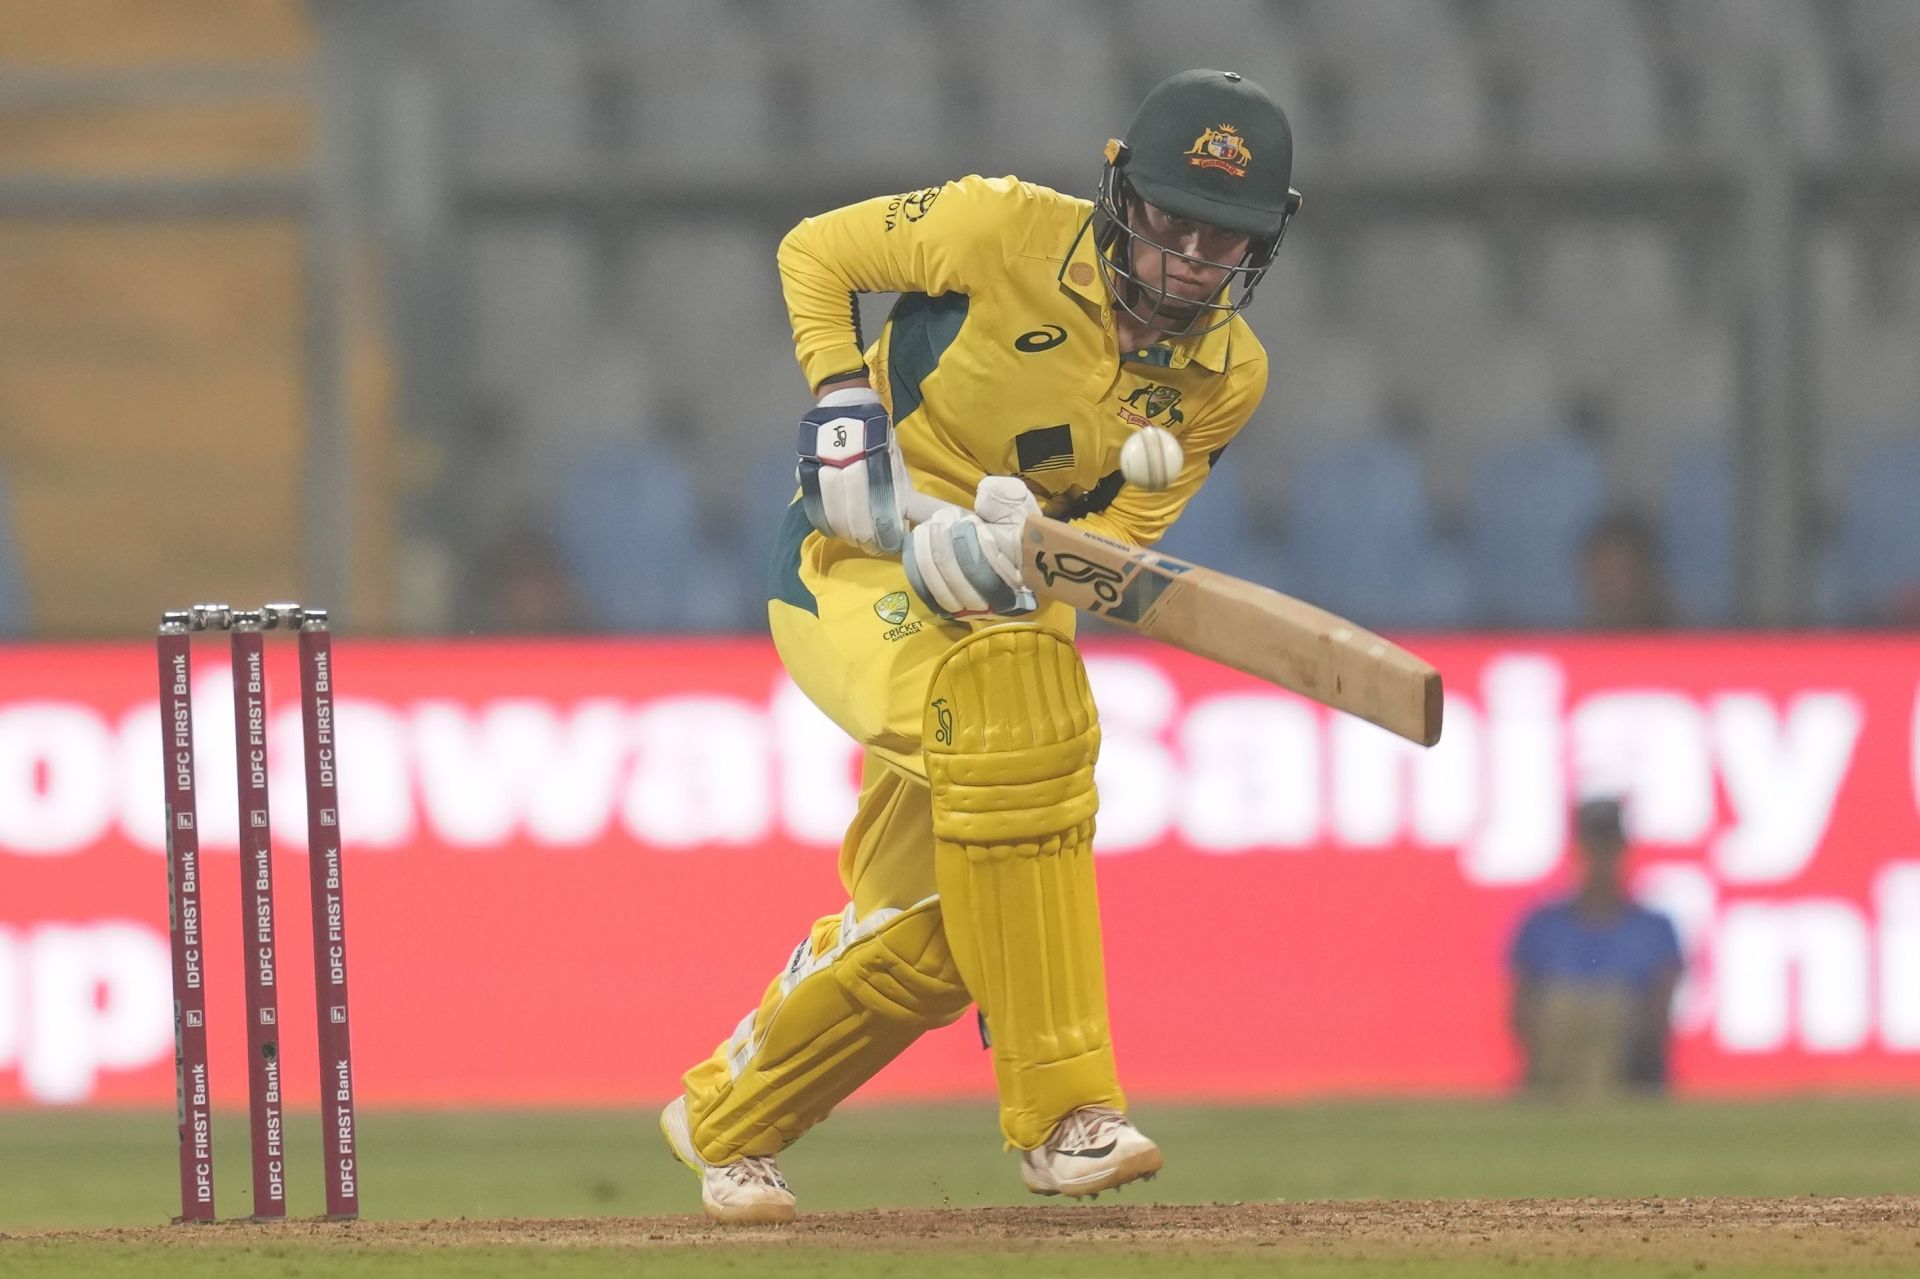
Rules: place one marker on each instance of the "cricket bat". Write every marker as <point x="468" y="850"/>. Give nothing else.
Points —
<point x="1268" y="635"/>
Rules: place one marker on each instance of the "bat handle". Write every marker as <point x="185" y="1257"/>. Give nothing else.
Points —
<point x="922" y="507"/>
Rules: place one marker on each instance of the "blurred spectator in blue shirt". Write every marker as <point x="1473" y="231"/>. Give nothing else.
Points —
<point x="1594" y="975"/>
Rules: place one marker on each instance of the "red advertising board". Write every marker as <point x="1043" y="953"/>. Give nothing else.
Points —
<point x="572" y="866"/>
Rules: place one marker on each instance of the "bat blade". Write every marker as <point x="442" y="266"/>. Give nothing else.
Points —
<point x="1269" y="635"/>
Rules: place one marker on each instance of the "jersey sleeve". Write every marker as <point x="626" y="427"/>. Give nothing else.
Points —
<point x="944" y="239"/>
<point x="1141" y="518"/>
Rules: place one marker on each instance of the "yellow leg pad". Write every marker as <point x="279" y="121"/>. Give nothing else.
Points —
<point x="851" y="998"/>
<point x="1011" y="740"/>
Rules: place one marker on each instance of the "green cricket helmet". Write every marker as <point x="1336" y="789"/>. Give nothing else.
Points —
<point x="1209" y="147"/>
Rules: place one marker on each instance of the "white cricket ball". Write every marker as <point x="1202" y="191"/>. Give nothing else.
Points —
<point x="1151" y="458"/>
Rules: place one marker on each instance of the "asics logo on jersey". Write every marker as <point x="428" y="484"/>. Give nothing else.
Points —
<point x="1044" y="338"/>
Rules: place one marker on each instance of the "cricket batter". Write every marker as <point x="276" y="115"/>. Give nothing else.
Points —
<point x="1034" y="333"/>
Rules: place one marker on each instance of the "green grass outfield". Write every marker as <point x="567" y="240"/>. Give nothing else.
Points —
<point x="61" y="1170"/>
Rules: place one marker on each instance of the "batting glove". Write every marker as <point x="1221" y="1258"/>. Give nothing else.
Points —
<point x="967" y="563"/>
<point x="853" y="481"/>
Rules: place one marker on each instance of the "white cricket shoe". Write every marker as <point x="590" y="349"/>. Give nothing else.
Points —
<point x="1091" y="1150"/>
<point x="750" y="1190"/>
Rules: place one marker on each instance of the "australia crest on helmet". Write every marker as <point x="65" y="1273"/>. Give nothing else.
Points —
<point x="1220" y="147"/>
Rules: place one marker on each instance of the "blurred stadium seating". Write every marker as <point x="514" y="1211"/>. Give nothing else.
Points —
<point x="1361" y="528"/>
<point x="1877" y="552"/>
<point x="1520" y="213"/>
<point x="13" y="592"/>
<point x="1698" y="534"/>
<point x="1534" y="502"/>
<point x="628" y="525"/>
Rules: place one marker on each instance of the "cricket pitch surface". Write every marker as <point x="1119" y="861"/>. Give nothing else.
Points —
<point x="1878" y="1235"/>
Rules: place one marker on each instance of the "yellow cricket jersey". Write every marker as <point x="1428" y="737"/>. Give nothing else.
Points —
<point x="998" y="361"/>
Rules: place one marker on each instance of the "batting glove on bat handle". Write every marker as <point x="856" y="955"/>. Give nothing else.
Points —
<point x="967" y="563"/>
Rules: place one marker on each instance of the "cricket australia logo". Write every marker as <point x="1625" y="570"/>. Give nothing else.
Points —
<point x="1151" y="402"/>
<point x="1221" y="148"/>
<point x="892" y="608"/>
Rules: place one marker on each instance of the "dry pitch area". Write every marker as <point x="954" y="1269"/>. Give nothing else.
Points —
<point x="1720" y="1236"/>
<point x="1337" y="1191"/>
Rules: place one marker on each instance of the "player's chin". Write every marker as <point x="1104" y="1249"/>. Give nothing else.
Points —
<point x="1176" y="315"/>
<point x="1165" y="308"/>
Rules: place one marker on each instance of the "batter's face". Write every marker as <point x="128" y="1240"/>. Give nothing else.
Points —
<point x="1180" y="263"/>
